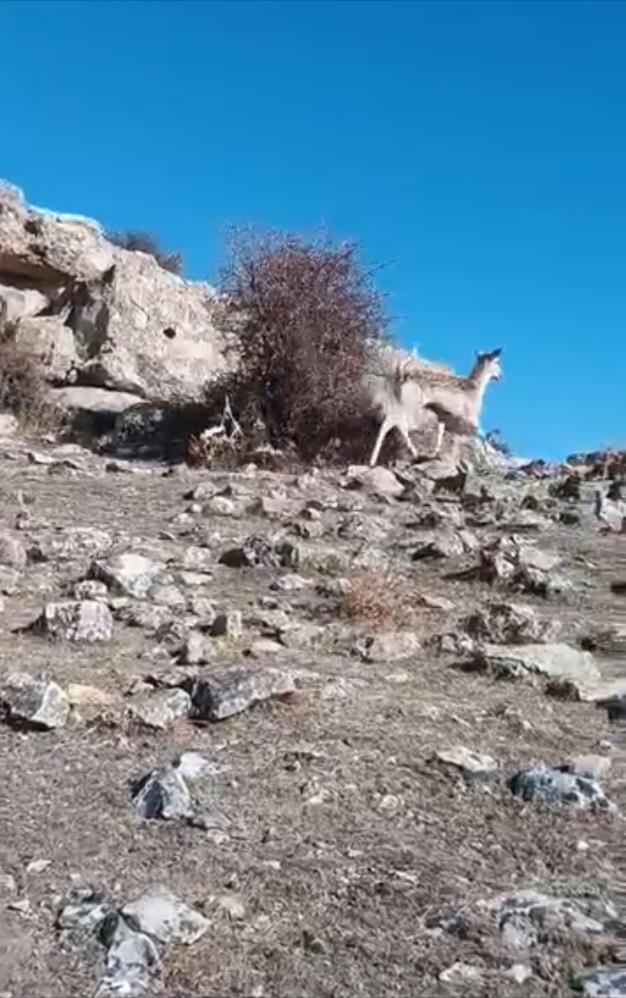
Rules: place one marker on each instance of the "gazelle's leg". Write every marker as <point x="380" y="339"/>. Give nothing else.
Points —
<point x="405" y="436"/>
<point x="386" y="425"/>
<point x="440" y="432"/>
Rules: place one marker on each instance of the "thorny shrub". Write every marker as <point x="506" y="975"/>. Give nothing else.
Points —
<point x="309" y="312"/>
<point x="383" y="601"/>
<point x="143" y="242"/>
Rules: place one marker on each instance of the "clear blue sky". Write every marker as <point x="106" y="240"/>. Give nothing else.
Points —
<point x="479" y="147"/>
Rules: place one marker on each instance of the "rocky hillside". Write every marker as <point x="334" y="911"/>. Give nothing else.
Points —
<point x="111" y="327"/>
<point x="325" y="734"/>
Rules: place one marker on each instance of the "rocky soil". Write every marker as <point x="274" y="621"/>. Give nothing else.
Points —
<point x="324" y="734"/>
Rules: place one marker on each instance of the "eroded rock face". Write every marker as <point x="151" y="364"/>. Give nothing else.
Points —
<point x="552" y="661"/>
<point x="100" y="315"/>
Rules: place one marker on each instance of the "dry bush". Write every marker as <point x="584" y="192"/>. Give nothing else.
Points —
<point x="23" y="389"/>
<point x="143" y="242"/>
<point x="309" y="312"/>
<point x="383" y="601"/>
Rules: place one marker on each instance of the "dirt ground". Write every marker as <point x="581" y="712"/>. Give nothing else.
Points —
<point x="346" y="843"/>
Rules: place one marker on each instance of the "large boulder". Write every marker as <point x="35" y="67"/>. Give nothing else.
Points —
<point x="101" y="315"/>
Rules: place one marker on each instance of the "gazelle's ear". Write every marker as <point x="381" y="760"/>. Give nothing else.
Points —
<point x="496" y="353"/>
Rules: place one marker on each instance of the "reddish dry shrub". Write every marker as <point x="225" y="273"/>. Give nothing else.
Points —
<point x="308" y="312"/>
<point x="143" y="242"/>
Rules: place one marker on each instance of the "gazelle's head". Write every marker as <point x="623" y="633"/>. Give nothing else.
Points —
<point x="488" y="365"/>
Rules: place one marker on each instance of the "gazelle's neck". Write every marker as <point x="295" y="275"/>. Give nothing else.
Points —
<point x="477" y="381"/>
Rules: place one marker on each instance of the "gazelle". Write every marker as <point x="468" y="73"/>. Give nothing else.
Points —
<point x="403" y="387"/>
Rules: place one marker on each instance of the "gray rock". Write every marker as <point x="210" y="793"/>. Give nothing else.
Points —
<point x="84" y="909"/>
<point x="19" y="299"/>
<point x="145" y="615"/>
<point x="391" y="647"/>
<point x="258" y="551"/>
<point x="51" y="342"/>
<point x="166" y="594"/>
<point x="523" y="916"/>
<point x="552" y="661"/>
<point x="37" y="702"/>
<point x="510" y="623"/>
<point x="12" y="551"/>
<point x="378" y="480"/>
<point x="543" y="784"/>
<point x="132" y="960"/>
<point x="235" y="689"/>
<point x="228" y="625"/>
<point x="91" y="589"/>
<point x="440" y="544"/>
<point x="604" y="982"/>
<point x="159" y="709"/>
<point x="197" y="649"/>
<point x="72" y="543"/>
<point x="80" y="621"/>
<point x="163" y="794"/>
<point x="128" y="574"/>
<point x="160" y="914"/>
<point x="474" y="768"/>
<point x="93" y="401"/>
<point x="590" y="765"/>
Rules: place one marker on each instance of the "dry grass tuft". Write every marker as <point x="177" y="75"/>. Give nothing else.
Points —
<point x="23" y="389"/>
<point x="384" y="601"/>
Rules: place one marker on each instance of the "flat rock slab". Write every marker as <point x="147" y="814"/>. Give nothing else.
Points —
<point x="40" y="703"/>
<point x="553" y="661"/>
<point x="233" y="690"/>
<point x="128" y="574"/>
<point x="160" y="914"/>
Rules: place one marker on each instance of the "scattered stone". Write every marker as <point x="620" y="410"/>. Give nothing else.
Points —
<point x="160" y="914"/>
<point x="197" y="649"/>
<point x="391" y="647"/>
<point x="543" y="784"/>
<point x="91" y="589"/>
<point x="235" y="689"/>
<point x="12" y="551"/>
<point x="604" y="982"/>
<point x="40" y="703"/>
<point x="474" y="768"/>
<point x="163" y="594"/>
<point x="257" y="551"/>
<point x="461" y="974"/>
<point x="510" y="623"/>
<point x="84" y="908"/>
<point x="554" y="661"/>
<point x="145" y="615"/>
<point x="159" y="709"/>
<point x="127" y="574"/>
<point x="228" y="625"/>
<point x="132" y="960"/>
<point x="440" y="545"/>
<point x="590" y="766"/>
<point x="379" y="480"/>
<point x="525" y="916"/>
<point x="80" y="621"/>
<point x="163" y="794"/>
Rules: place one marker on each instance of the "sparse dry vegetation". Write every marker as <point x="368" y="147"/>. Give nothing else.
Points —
<point x="144" y="242"/>
<point x="23" y="390"/>
<point x="383" y="601"/>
